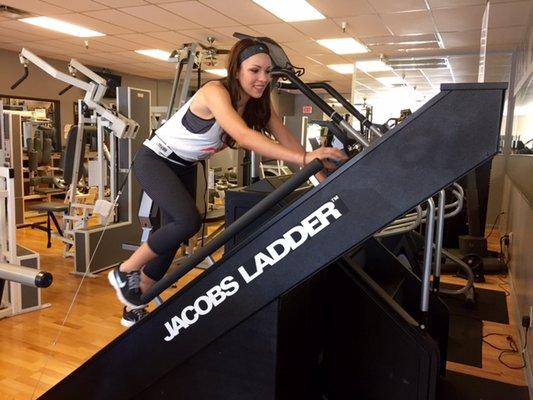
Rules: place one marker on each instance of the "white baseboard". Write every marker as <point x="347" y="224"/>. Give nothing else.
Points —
<point x="521" y="333"/>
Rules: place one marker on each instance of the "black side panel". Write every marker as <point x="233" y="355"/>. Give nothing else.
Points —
<point x="274" y="354"/>
<point x="405" y="288"/>
<point x="232" y="367"/>
<point x="371" y="351"/>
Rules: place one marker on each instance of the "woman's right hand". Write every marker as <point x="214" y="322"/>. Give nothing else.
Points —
<point x="326" y="154"/>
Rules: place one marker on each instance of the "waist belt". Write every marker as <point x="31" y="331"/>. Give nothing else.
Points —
<point x="160" y="147"/>
<point x="177" y="159"/>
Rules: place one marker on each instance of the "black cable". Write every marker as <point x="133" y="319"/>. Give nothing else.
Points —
<point x="507" y="292"/>
<point x="493" y="225"/>
<point x="502" y="256"/>
<point x="513" y="349"/>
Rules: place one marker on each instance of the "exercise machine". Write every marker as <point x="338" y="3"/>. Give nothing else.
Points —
<point x="278" y="316"/>
<point x="21" y="279"/>
<point x="123" y="143"/>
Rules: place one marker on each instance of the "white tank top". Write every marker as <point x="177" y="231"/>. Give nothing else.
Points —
<point x="175" y="138"/>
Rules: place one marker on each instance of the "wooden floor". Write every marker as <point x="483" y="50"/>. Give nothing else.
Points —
<point x="40" y="348"/>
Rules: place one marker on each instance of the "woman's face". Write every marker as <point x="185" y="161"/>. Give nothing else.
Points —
<point x="254" y="74"/>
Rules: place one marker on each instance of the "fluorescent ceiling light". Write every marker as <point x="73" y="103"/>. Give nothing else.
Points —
<point x="344" y="45"/>
<point x="391" y="80"/>
<point x="342" y="68"/>
<point x="61" y="26"/>
<point x="155" y="53"/>
<point x="218" y="71"/>
<point x="291" y="11"/>
<point x="372" y="66"/>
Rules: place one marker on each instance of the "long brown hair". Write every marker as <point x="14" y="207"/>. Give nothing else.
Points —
<point x="257" y="111"/>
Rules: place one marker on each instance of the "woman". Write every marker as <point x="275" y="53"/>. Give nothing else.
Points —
<point x="222" y="113"/>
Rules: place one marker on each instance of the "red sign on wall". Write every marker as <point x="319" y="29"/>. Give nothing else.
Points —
<point x="307" y="110"/>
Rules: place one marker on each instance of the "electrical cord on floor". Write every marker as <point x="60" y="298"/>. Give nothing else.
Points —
<point x="513" y="349"/>
<point x="504" y="256"/>
<point x="505" y="290"/>
<point x="494" y="224"/>
<point x="503" y="283"/>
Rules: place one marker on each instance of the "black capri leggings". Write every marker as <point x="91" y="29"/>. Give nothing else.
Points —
<point x="171" y="187"/>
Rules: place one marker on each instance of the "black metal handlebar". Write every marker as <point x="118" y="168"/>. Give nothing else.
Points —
<point x="21" y="79"/>
<point x="65" y="90"/>
<point x="251" y="215"/>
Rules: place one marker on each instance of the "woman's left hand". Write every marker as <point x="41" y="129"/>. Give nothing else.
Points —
<point x="326" y="155"/>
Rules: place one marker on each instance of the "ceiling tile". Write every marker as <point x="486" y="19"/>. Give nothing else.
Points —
<point x="500" y="59"/>
<point x="230" y="30"/>
<point x="501" y="47"/>
<point x="437" y="73"/>
<point x="384" y="74"/>
<point x="320" y="29"/>
<point x="409" y="23"/>
<point x="393" y="6"/>
<point x="122" y="3"/>
<point x="30" y="29"/>
<point x="301" y="61"/>
<point x="511" y="35"/>
<point x="119" y="18"/>
<point x="93" y="46"/>
<point x="163" y="1"/>
<point x="36" y="7"/>
<point x="434" y="4"/>
<point x="307" y="48"/>
<point x="510" y="14"/>
<point x="199" y="13"/>
<point x="242" y="11"/>
<point x="8" y="35"/>
<point x="329" y="59"/>
<point x="117" y="42"/>
<point x="78" y="5"/>
<point x="342" y="8"/>
<point x="459" y="18"/>
<point x="146" y="41"/>
<point x="161" y="17"/>
<point x="155" y="66"/>
<point x="131" y="55"/>
<point x="281" y="32"/>
<point x="96" y="24"/>
<point x="175" y="38"/>
<point x="201" y="35"/>
<point x="116" y="58"/>
<point x="412" y="74"/>
<point x="364" y="26"/>
<point x="454" y="40"/>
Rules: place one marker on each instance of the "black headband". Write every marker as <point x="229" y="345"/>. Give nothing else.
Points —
<point x="252" y="51"/>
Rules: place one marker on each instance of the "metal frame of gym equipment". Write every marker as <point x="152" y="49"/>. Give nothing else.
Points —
<point x="134" y="104"/>
<point x="408" y="222"/>
<point x="11" y="144"/>
<point x="393" y="238"/>
<point x="292" y="311"/>
<point x="124" y="132"/>
<point x="19" y="266"/>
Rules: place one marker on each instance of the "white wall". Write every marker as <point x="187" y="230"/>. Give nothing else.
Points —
<point x="517" y="196"/>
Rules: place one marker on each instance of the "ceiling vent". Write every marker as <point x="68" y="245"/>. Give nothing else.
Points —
<point x="417" y="63"/>
<point x="399" y="85"/>
<point x="12" y="13"/>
